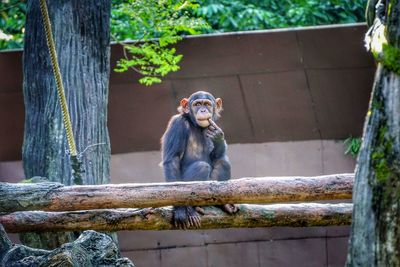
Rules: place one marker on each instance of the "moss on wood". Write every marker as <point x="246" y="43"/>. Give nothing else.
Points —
<point x="293" y="215"/>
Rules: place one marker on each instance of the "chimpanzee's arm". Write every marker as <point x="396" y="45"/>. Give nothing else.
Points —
<point x="218" y="137"/>
<point x="219" y="150"/>
<point x="173" y="146"/>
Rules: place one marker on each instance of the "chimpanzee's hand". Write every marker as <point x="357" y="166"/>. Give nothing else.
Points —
<point x="214" y="132"/>
<point x="186" y="217"/>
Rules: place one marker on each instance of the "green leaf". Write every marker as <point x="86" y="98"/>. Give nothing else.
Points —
<point x="352" y="146"/>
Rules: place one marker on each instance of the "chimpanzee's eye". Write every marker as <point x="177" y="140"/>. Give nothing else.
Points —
<point x="198" y="104"/>
<point x="208" y="104"/>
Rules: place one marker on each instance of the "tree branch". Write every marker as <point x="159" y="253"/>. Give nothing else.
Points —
<point x="56" y="197"/>
<point x="293" y="215"/>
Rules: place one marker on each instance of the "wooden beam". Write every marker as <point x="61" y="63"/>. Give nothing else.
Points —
<point x="56" y="197"/>
<point x="293" y="215"/>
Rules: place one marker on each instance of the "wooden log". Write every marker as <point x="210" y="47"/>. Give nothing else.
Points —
<point x="293" y="215"/>
<point x="56" y="197"/>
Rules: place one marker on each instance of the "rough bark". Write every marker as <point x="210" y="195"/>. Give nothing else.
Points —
<point x="293" y="215"/>
<point x="55" y="197"/>
<point x="81" y="34"/>
<point x="5" y="244"/>
<point x="375" y="235"/>
<point x="90" y="249"/>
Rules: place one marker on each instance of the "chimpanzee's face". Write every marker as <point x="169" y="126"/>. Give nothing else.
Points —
<point x="201" y="107"/>
<point x="202" y="110"/>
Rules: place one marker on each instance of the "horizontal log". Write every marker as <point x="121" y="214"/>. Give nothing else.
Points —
<point x="56" y="197"/>
<point x="293" y="215"/>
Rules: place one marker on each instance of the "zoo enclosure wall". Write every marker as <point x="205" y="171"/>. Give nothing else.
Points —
<point x="280" y="85"/>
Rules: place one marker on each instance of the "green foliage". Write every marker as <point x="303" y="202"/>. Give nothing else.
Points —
<point x="155" y="26"/>
<point x="353" y="145"/>
<point x="239" y="15"/>
<point x="389" y="57"/>
<point x="12" y="22"/>
<point x="228" y="15"/>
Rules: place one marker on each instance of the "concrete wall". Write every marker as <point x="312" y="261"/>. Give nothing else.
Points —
<point x="300" y="158"/>
<point x="280" y="247"/>
<point x="281" y="85"/>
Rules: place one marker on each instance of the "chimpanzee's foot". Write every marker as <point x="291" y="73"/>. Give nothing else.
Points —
<point x="193" y="216"/>
<point x="229" y="208"/>
<point x="185" y="217"/>
<point x="200" y="210"/>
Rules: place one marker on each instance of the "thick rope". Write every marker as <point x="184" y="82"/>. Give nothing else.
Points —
<point x="75" y="163"/>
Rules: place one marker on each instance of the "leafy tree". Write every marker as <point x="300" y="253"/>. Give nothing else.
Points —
<point x="155" y="26"/>
<point x="239" y="15"/>
<point x="12" y="21"/>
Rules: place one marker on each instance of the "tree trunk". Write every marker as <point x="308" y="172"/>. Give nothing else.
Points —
<point x="55" y="197"/>
<point x="375" y="235"/>
<point x="293" y="215"/>
<point x="81" y="35"/>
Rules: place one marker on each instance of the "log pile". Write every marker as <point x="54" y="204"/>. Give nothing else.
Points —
<point x="54" y="207"/>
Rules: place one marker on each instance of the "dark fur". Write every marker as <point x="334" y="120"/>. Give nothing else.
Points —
<point x="189" y="155"/>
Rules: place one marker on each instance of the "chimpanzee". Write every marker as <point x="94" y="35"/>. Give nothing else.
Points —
<point x="194" y="149"/>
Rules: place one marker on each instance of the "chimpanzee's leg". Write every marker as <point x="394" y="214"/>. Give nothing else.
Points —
<point x="197" y="171"/>
<point x="222" y="172"/>
<point x="221" y="169"/>
<point x="187" y="216"/>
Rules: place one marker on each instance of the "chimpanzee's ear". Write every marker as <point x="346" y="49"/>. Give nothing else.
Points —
<point x="184" y="105"/>
<point x="218" y="101"/>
